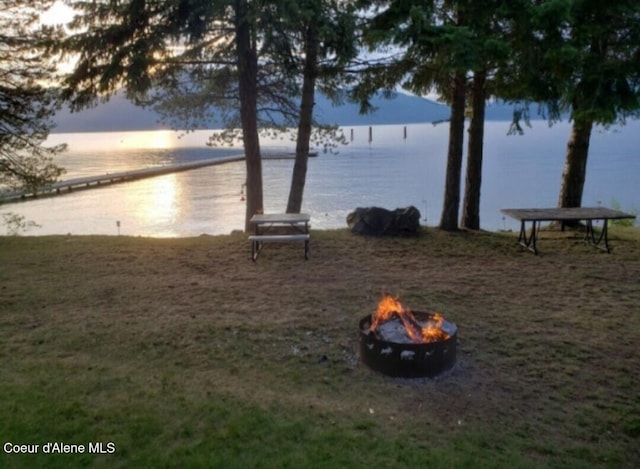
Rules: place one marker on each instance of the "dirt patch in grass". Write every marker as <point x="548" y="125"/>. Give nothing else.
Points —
<point x="548" y="358"/>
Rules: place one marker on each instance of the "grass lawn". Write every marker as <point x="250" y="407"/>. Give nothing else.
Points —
<point x="184" y="353"/>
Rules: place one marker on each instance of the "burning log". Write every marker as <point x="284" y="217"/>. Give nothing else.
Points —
<point x="399" y="342"/>
<point x="418" y="332"/>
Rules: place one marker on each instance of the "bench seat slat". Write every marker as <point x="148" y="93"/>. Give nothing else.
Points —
<point x="279" y="238"/>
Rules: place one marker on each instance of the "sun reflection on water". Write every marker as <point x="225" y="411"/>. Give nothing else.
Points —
<point x="157" y="202"/>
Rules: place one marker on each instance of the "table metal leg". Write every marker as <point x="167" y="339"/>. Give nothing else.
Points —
<point x="591" y="238"/>
<point x="528" y="242"/>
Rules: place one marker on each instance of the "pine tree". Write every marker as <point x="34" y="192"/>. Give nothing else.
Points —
<point x="603" y="84"/>
<point x="148" y="46"/>
<point x="27" y="96"/>
<point x="322" y="34"/>
<point x="437" y="50"/>
<point x="583" y="59"/>
<point x="190" y="58"/>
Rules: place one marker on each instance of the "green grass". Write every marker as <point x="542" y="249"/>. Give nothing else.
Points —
<point x="151" y="427"/>
<point x="184" y="353"/>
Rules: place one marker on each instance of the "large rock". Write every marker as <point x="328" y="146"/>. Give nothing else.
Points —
<point x="378" y="221"/>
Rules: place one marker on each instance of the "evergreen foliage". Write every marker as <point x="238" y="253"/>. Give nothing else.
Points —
<point x="575" y="56"/>
<point x="592" y="70"/>
<point x="188" y="59"/>
<point x="445" y="46"/>
<point x="27" y="99"/>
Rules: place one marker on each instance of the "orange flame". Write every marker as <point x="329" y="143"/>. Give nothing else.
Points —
<point x="418" y="333"/>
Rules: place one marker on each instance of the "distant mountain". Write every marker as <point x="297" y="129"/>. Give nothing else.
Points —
<point x="400" y="109"/>
<point x="119" y="114"/>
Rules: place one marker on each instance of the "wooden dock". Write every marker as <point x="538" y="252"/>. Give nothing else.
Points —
<point x="284" y="155"/>
<point x="88" y="182"/>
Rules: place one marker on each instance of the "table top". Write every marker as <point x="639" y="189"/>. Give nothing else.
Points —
<point x="559" y="214"/>
<point x="280" y="218"/>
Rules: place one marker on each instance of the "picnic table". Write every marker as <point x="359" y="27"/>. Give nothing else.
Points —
<point x="279" y="227"/>
<point x="573" y="214"/>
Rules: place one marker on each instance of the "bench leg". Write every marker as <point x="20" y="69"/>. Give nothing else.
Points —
<point x="256" y="247"/>
<point x="255" y="250"/>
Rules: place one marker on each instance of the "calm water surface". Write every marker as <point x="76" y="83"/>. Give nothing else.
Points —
<point x="390" y="171"/>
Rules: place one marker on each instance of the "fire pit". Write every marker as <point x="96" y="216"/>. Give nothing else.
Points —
<point x="410" y="344"/>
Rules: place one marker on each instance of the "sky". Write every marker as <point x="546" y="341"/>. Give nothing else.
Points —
<point x="59" y="13"/>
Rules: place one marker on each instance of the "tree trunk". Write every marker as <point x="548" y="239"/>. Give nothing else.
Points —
<point x="471" y="202"/>
<point x="248" y="73"/>
<point x="451" y="205"/>
<point x="298" y="179"/>
<point x="575" y="167"/>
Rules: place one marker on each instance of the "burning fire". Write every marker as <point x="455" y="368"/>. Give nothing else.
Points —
<point x="419" y="333"/>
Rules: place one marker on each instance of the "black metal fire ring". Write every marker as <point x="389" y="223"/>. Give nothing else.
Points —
<point x="407" y="360"/>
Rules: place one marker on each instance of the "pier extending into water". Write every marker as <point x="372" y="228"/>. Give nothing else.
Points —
<point x="89" y="182"/>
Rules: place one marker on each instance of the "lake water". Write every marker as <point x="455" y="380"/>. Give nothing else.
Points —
<point x="390" y="171"/>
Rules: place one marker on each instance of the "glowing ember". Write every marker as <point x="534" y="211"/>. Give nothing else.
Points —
<point x="390" y="309"/>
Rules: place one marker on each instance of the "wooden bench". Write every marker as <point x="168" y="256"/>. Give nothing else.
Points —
<point x="563" y="215"/>
<point x="258" y="240"/>
<point x="279" y="228"/>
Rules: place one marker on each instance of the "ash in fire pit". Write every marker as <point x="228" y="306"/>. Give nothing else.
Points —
<point x="398" y="342"/>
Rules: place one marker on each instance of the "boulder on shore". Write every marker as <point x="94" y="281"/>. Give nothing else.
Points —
<point x="376" y="221"/>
